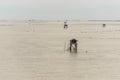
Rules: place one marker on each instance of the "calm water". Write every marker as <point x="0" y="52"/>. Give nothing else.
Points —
<point x="39" y="52"/>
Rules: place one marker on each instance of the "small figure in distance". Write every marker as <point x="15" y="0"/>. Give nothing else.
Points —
<point x="65" y="25"/>
<point x="73" y="45"/>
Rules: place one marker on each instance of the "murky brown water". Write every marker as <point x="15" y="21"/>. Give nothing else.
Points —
<point x="38" y="52"/>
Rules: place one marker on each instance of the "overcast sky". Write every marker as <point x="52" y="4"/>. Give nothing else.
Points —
<point x="60" y="9"/>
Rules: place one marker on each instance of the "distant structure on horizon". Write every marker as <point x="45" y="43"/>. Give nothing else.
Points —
<point x="65" y="25"/>
<point x="104" y="25"/>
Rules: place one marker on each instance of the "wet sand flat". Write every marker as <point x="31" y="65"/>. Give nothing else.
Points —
<point x="38" y="51"/>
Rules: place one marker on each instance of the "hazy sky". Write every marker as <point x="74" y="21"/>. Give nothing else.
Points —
<point x="60" y="9"/>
